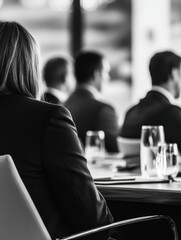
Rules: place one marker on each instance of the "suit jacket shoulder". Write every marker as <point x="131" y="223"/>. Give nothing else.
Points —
<point x="48" y="97"/>
<point x="90" y="113"/>
<point x="42" y="140"/>
<point x="154" y="109"/>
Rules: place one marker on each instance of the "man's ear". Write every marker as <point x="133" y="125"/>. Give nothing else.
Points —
<point x="174" y="73"/>
<point x="96" y="73"/>
<point x="97" y="79"/>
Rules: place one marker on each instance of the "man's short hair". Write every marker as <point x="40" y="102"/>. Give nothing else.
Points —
<point x="86" y="62"/>
<point x="161" y="66"/>
<point x="55" y="71"/>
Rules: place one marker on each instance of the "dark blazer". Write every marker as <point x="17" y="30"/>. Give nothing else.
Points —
<point x="43" y="142"/>
<point x="154" y="109"/>
<point x="91" y="114"/>
<point x="48" y="97"/>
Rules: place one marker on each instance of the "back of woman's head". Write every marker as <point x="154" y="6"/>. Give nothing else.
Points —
<point x="19" y="63"/>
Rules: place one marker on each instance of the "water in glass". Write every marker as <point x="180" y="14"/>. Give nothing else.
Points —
<point x="151" y="137"/>
<point x="167" y="160"/>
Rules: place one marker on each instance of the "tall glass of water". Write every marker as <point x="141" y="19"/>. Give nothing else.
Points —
<point x="167" y="161"/>
<point x="94" y="145"/>
<point x="151" y="138"/>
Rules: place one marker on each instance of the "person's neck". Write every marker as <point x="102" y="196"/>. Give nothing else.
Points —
<point x="168" y="87"/>
<point x="91" y="88"/>
<point x="164" y="92"/>
<point x="61" y="95"/>
<point x="89" y="85"/>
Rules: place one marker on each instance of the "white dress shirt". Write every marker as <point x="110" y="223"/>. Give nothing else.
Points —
<point x="166" y="93"/>
<point x="91" y="89"/>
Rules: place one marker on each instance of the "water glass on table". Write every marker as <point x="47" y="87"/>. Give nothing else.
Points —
<point x="151" y="138"/>
<point x="167" y="164"/>
<point x="94" y="145"/>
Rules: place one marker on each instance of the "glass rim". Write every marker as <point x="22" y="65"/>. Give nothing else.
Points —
<point x="151" y="126"/>
<point x="97" y="132"/>
<point x="168" y="146"/>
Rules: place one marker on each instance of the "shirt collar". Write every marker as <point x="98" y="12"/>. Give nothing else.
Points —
<point x="91" y="89"/>
<point x="164" y="92"/>
<point x="62" y="96"/>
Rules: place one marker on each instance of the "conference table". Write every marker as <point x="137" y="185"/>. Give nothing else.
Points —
<point x="131" y="197"/>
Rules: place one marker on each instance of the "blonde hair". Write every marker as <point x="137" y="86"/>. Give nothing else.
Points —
<point x="19" y="61"/>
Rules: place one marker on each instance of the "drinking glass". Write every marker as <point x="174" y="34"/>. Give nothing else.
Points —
<point x="94" y="145"/>
<point x="167" y="165"/>
<point x="151" y="138"/>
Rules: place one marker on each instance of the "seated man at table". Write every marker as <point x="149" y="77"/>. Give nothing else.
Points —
<point x="59" y="79"/>
<point x="158" y="107"/>
<point x="86" y="105"/>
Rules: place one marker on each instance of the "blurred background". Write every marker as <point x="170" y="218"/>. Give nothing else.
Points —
<point x="128" y="32"/>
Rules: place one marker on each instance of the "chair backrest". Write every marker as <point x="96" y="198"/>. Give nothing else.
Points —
<point x="129" y="146"/>
<point x="19" y="219"/>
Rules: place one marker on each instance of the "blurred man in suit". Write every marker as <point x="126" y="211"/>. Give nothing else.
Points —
<point x="59" y="79"/>
<point x="158" y="107"/>
<point x="86" y="105"/>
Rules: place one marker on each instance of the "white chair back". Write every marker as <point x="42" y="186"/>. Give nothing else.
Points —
<point x="19" y="219"/>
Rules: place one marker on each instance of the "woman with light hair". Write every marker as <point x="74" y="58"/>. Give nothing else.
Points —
<point x="19" y="61"/>
<point x="42" y="140"/>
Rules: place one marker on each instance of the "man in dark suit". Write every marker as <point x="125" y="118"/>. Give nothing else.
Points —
<point x="86" y="105"/>
<point x="159" y="105"/>
<point x="59" y="79"/>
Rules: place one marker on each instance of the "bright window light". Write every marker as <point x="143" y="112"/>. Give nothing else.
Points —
<point x="60" y="5"/>
<point x="91" y="5"/>
<point x="88" y="5"/>
<point x="33" y="3"/>
<point x="1" y="3"/>
<point x="105" y="1"/>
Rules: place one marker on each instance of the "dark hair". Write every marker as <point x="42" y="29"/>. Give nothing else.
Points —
<point x="161" y="66"/>
<point x="19" y="61"/>
<point x="55" y="71"/>
<point x="86" y="62"/>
